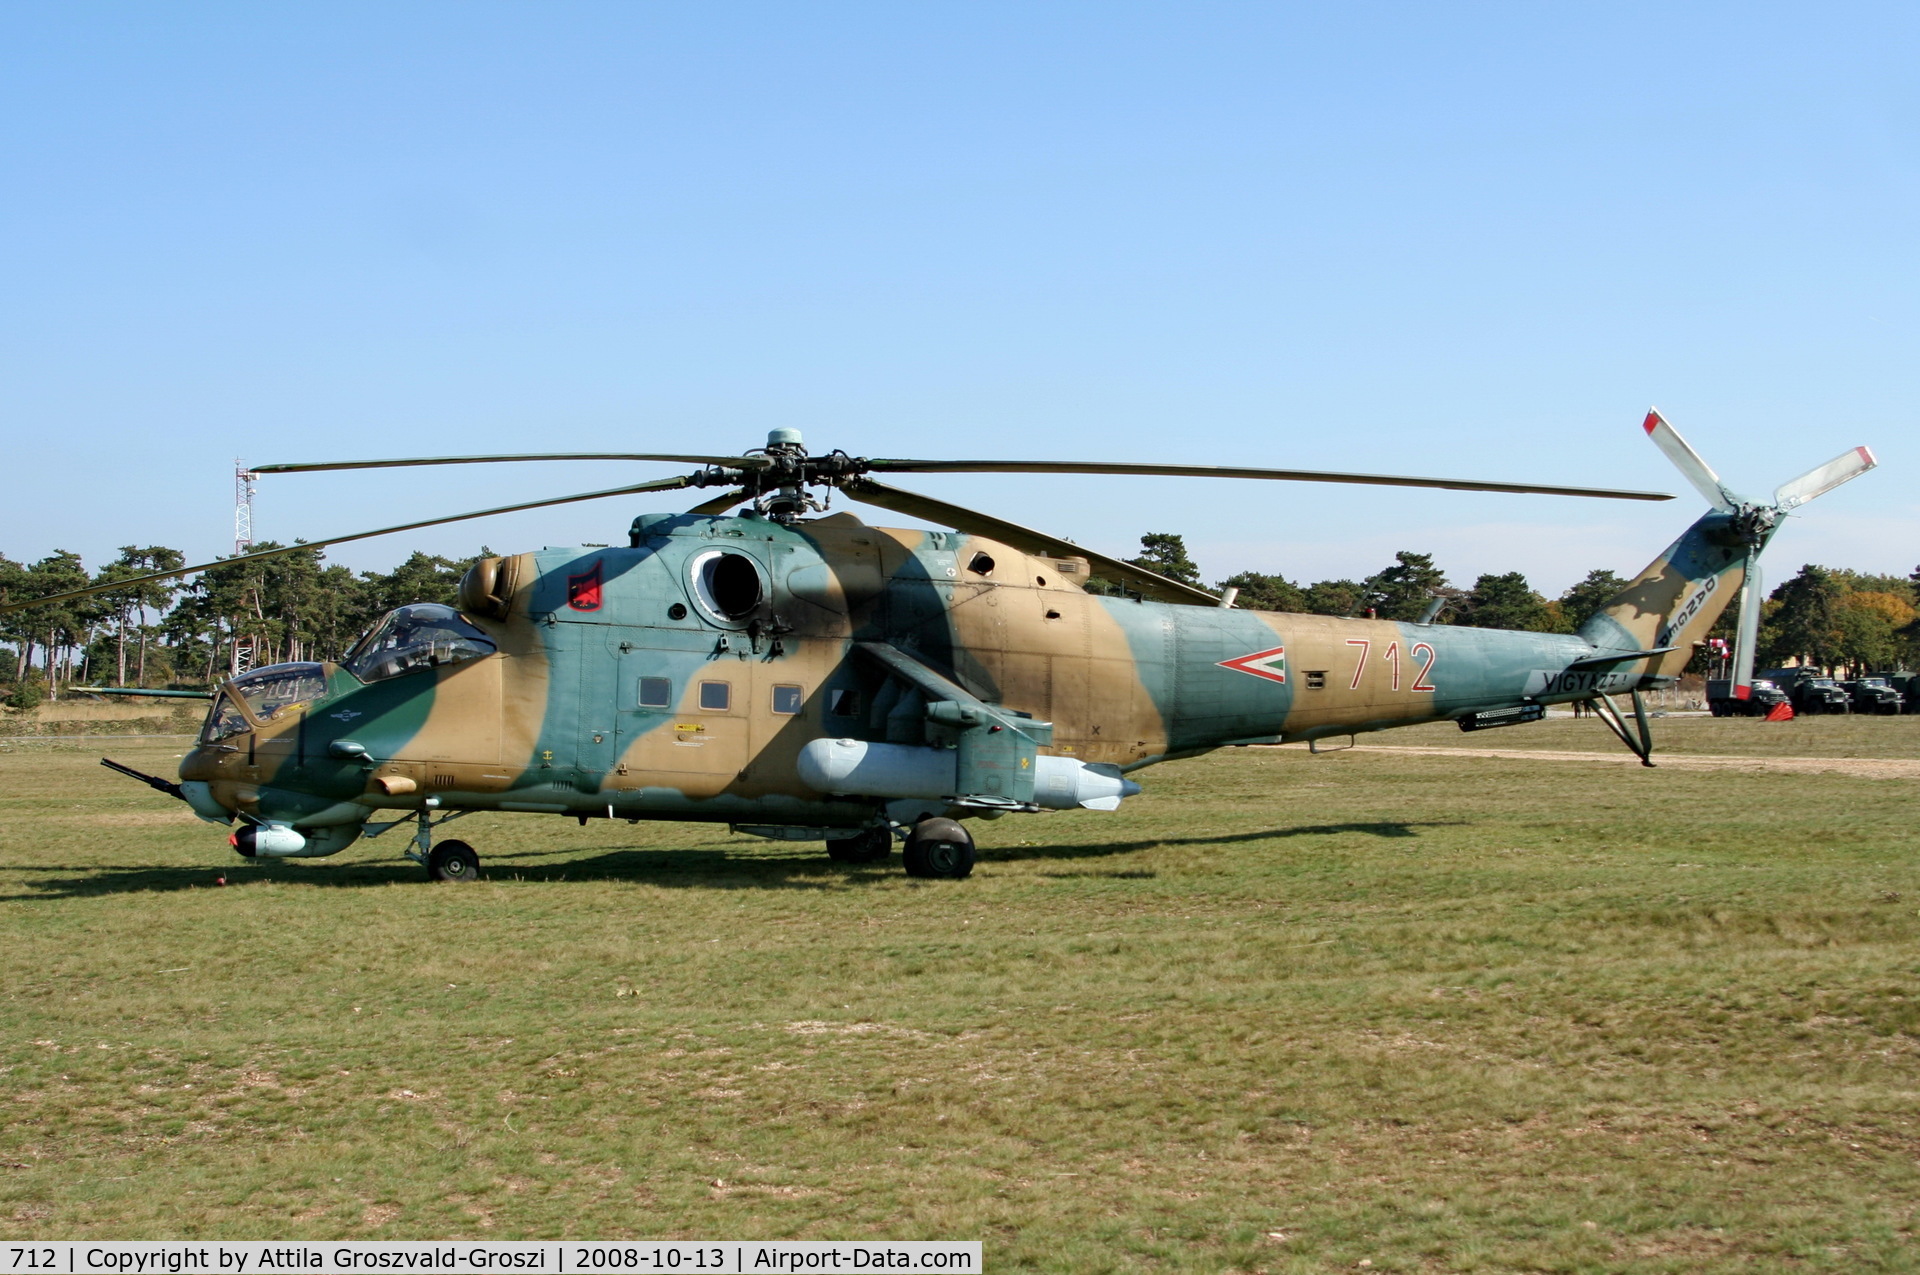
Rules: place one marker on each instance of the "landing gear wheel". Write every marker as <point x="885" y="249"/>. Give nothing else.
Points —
<point x="453" y="861"/>
<point x="939" y="848"/>
<point x="871" y="845"/>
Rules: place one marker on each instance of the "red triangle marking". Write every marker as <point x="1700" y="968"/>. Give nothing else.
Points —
<point x="1261" y="664"/>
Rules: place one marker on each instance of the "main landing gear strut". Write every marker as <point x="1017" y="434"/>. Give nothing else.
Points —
<point x="451" y="860"/>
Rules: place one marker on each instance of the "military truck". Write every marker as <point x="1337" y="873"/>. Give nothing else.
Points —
<point x="1764" y="696"/>
<point x="1876" y="695"/>
<point x="1908" y="684"/>
<point x="1809" y="690"/>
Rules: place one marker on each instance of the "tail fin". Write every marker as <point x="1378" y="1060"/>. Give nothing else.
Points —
<point x="1677" y="598"/>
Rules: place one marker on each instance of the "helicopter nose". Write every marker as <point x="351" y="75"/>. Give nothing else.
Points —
<point x="198" y="793"/>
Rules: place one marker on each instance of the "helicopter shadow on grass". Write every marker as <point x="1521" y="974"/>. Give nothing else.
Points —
<point x="1393" y="829"/>
<point x="719" y="868"/>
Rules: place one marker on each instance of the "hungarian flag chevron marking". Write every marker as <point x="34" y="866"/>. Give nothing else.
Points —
<point x="1271" y="665"/>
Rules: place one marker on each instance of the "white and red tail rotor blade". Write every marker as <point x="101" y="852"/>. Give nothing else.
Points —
<point x="1687" y="461"/>
<point x="1747" y="632"/>
<point x="1818" y="482"/>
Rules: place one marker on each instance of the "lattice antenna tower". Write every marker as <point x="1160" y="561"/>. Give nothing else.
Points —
<point x="243" y="479"/>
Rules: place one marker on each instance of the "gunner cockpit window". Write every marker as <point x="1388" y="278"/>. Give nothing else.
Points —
<point x="279" y="689"/>
<point x="276" y="693"/>
<point x="424" y="635"/>
<point x="225" y="719"/>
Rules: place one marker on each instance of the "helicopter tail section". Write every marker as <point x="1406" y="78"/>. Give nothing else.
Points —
<point x="1677" y="598"/>
<point x="1671" y="605"/>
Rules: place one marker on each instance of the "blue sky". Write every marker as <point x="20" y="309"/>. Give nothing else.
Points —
<point x="1471" y="240"/>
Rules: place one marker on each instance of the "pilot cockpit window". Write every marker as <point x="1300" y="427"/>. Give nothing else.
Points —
<point x="424" y="635"/>
<point x="279" y="689"/>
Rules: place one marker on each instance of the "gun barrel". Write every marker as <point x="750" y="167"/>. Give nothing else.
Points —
<point x="151" y="781"/>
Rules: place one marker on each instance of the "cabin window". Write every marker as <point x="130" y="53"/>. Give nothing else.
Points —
<point x="1316" y="679"/>
<point x="844" y="703"/>
<point x="786" y="700"/>
<point x="656" y="692"/>
<point x="716" y="696"/>
<point x="424" y="635"/>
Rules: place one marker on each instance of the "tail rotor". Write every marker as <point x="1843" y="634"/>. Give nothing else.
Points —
<point x="1753" y="522"/>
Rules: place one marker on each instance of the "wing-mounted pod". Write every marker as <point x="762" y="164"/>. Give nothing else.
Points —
<point x="978" y="755"/>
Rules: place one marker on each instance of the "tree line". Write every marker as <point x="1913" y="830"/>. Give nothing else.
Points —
<point x="1845" y="621"/>
<point x="189" y="634"/>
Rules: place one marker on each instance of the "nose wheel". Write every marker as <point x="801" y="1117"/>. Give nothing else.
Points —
<point x="453" y="861"/>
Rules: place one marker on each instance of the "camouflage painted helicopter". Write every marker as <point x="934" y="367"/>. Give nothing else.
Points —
<point x="815" y="678"/>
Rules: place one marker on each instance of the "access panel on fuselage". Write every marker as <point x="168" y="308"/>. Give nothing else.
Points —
<point x="680" y="711"/>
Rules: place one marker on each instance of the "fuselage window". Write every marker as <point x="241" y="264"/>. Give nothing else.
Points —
<point x="656" y="692"/>
<point x="786" y="700"/>
<point x="716" y="696"/>
<point x="424" y="635"/>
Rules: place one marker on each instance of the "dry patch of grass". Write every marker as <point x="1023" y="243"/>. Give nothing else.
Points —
<point x="1284" y="1013"/>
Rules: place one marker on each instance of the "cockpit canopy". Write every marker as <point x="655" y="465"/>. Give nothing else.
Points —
<point x="424" y="635"/>
<point x="270" y="693"/>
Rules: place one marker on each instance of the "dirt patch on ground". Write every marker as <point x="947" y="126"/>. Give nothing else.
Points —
<point x="1870" y="768"/>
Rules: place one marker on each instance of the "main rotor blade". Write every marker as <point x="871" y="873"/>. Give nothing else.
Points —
<point x="1146" y="583"/>
<point x="1234" y="471"/>
<point x="663" y="484"/>
<point x="1687" y="461"/>
<point x="720" y="504"/>
<point x="1820" y="481"/>
<point x="725" y="462"/>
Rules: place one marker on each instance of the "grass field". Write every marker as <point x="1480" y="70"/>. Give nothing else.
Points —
<point x="1285" y="1012"/>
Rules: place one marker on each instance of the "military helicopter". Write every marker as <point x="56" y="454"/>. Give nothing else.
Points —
<point x="801" y="675"/>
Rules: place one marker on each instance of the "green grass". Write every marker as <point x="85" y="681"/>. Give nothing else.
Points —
<point x="1283" y="1013"/>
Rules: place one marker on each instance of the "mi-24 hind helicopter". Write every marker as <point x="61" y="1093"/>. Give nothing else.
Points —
<point x="811" y="677"/>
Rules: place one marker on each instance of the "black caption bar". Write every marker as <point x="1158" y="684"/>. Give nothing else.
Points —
<point x="467" y="1257"/>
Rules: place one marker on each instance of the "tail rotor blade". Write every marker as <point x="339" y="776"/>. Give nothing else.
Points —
<point x="1687" y="461"/>
<point x="1818" y="482"/>
<point x="1747" y="631"/>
